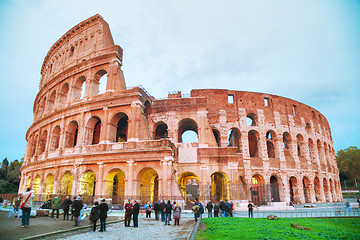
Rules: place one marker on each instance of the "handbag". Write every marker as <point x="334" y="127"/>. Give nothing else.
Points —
<point x="23" y="203"/>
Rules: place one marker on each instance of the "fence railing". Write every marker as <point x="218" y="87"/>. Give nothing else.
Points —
<point x="303" y="214"/>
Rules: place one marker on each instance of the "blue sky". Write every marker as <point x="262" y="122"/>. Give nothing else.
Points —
<point x="308" y="51"/>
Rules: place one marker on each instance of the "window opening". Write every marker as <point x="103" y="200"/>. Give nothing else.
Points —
<point x="230" y="98"/>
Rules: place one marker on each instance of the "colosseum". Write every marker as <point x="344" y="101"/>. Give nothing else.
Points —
<point x="120" y="142"/>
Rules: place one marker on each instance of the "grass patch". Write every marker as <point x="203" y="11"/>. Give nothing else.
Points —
<point x="262" y="228"/>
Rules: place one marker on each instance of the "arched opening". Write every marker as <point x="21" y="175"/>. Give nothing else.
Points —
<point x="41" y="108"/>
<point x="51" y="101"/>
<point x="274" y="186"/>
<point x="251" y="119"/>
<point x="312" y="150"/>
<point x="99" y="85"/>
<point x="189" y="186"/>
<point x="161" y="131"/>
<point x="66" y="183"/>
<point x="188" y="131"/>
<point x="102" y="84"/>
<point x="308" y="128"/>
<point x="36" y="184"/>
<point x="217" y="137"/>
<point x="119" y="127"/>
<point x="79" y="88"/>
<point x="220" y="189"/>
<point x="63" y="94"/>
<point x="147" y="108"/>
<point x="147" y="185"/>
<point x="306" y="188"/>
<point x="270" y="136"/>
<point x="115" y="186"/>
<point x="48" y="186"/>
<point x="317" y="189"/>
<point x="320" y="154"/>
<point x="55" y="139"/>
<point x="326" y="190"/>
<point x="234" y="138"/>
<point x="293" y="190"/>
<point x="257" y="190"/>
<point x="253" y="137"/>
<point x="287" y="143"/>
<point x="28" y="182"/>
<point x="87" y="186"/>
<point x="93" y="129"/>
<point x="300" y="145"/>
<point x="33" y="143"/>
<point x="71" y="135"/>
<point x="42" y="143"/>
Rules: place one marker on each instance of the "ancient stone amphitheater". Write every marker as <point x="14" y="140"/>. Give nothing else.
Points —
<point x="91" y="135"/>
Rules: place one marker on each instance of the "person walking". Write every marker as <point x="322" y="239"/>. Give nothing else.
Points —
<point x="177" y="213"/>
<point x="157" y="210"/>
<point x="209" y="207"/>
<point x="128" y="213"/>
<point x="77" y="205"/>
<point x="104" y="208"/>
<point x="67" y="203"/>
<point x="94" y="215"/>
<point x="26" y="207"/>
<point x="222" y="207"/>
<point x="136" y="209"/>
<point x="250" y="207"/>
<point x="168" y="209"/>
<point x="16" y="205"/>
<point x="216" y="210"/>
<point x="162" y="210"/>
<point x="148" y="211"/>
<point x="195" y="208"/>
<point x="55" y="206"/>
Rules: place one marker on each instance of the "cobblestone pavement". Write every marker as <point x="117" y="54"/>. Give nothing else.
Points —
<point x="147" y="230"/>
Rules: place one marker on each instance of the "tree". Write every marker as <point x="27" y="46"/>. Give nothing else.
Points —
<point x="348" y="161"/>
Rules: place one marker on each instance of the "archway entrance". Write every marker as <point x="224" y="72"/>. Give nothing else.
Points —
<point x="317" y="189"/>
<point x="148" y="186"/>
<point x="36" y="184"/>
<point x="326" y="190"/>
<point x="66" y="183"/>
<point x="274" y="186"/>
<point x="293" y="189"/>
<point x="115" y="186"/>
<point x="48" y="186"/>
<point x="87" y="185"/>
<point x="257" y="190"/>
<point x="219" y="187"/>
<point x="189" y="186"/>
<point x="306" y="187"/>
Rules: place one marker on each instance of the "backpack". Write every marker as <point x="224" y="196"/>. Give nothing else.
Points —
<point x="201" y="209"/>
<point x="195" y="208"/>
<point x="216" y="208"/>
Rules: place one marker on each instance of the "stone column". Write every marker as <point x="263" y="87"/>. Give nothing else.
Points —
<point x="164" y="177"/>
<point x="74" y="190"/>
<point x="99" y="181"/>
<point x="129" y="188"/>
<point x="104" y="137"/>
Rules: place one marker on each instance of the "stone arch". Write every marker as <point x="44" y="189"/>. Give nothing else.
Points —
<point x="257" y="190"/>
<point x="48" y="186"/>
<point x="317" y="189"/>
<point x="71" y="135"/>
<point x="217" y="137"/>
<point x="300" y="145"/>
<point x="312" y="150"/>
<point x="93" y="129"/>
<point x="234" y="138"/>
<point x="270" y="143"/>
<point x="189" y="186"/>
<point x="115" y="186"/>
<point x="33" y="144"/>
<point x="98" y="86"/>
<point x="147" y="187"/>
<point x="41" y="107"/>
<point x="79" y="88"/>
<point x="287" y="143"/>
<point x="308" y="128"/>
<point x="274" y="189"/>
<point x="320" y="154"/>
<point x="51" y="101"/>
<point x="294" y="190"/>
<point x="326" y="190"/>
<point x="42" y="142"/>
<point x="306" y="188"/>
<point x="187" y="125"/>
<point x="55" y="139"/>
<point x="220" y="189"/>
<point x="87" y="185"/>
<point x="251" y="119"/>
<point x="36" y="184"/>
<point x="161" y="131"/>
<point x="147" y="108"/>
<point x="66" y="183"/>
<point x="119" y="127"/>
<point x="253" y="137"/>
<point x="63" y="95"/>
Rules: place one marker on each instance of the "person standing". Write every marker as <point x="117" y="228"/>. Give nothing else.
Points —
<point x="94" y="215"/>
<point x="104" y="208"/>
<point x="135" y="210"/>
<point x="26" y="209"/>
<point x="128" y="213"/>
<point x="222" y="207"/>
<point x="77" y="205"/>
<point x="227" y="208"/>
<point x="162" y="210"/>
<point x="177" y="213"/>
<point x="16" y="204"/>
<point x="157" y="210"/>
<point x="148" y="211"/>
<point x="67" y="202"/>
<point x="250" y="207"/>
<point x="209" y="207"/>
<point x="55" y="206"/>
<point x="216" y="210"/>
<point x="168" y="209"/>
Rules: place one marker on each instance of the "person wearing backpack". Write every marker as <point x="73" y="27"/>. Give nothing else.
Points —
<point x="216" y="210"/>
<point x="209" y="207"/>
<point x="94" y="215"/>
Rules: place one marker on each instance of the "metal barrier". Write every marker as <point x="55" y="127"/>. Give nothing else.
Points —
<point x="303" y="214"/>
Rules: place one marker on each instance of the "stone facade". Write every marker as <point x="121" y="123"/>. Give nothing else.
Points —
<point x="123" y="143"/>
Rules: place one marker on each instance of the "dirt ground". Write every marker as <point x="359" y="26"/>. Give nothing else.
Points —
<point x="10" y="229"/>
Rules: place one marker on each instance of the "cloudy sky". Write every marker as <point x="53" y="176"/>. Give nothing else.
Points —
<point x="304" y="50"/>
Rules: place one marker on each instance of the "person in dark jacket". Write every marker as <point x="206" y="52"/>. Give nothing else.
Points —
<point x="227" y="208"/>
<point x="216" y="210"/>
<point x="209" y="207"/>
<point x="104" y="208"/>
<point x="128" y="213"/>
<point x="67" y="202"/>
<point x="135" y="210"/>
<point x="222" y="207"/>
<point x="95" y="214"/>
<point x="162" y="210"/>
<point x="77" y="205"/>
<point x="157" y="210"/>
<point x="168" y="209"/>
